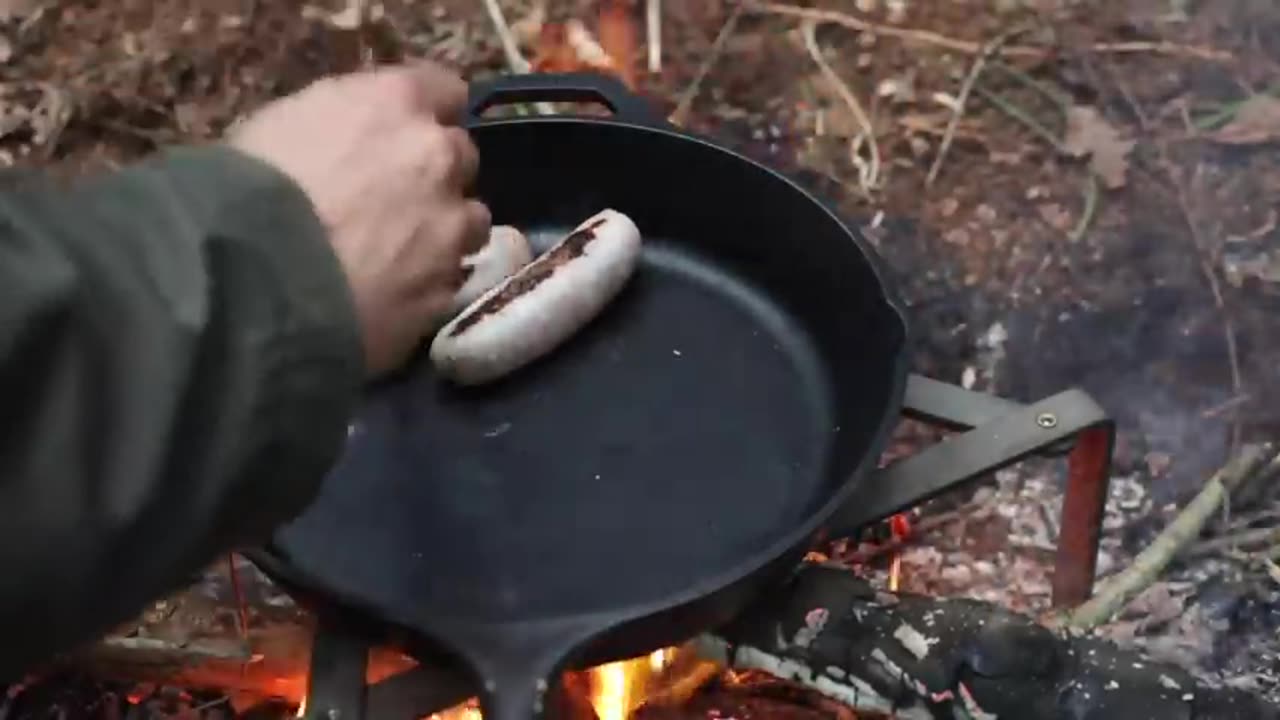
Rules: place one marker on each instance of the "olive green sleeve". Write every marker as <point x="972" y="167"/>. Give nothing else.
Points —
<point x="179" y="357"/>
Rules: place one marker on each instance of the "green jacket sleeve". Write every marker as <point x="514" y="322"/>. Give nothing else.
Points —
<point x="179" y="357"/>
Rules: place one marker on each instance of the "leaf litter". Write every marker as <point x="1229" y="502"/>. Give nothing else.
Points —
<point x="1090" y="135"/>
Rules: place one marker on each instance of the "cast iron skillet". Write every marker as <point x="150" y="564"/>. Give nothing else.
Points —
<point x="640" y="484"/>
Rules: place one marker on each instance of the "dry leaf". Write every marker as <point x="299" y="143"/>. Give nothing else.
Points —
<point x="570" y="47"/>
<point x="1257" y="121"/>
<point x="1089" y="134"/>
<point x="527" y="28"/>
<point x="587" y="48"/>
<point x="553" y="53"/>
<point x="619" y="36"/>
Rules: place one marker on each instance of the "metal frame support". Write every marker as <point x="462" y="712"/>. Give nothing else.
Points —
<point x="337" y="687"/>
<point x="336" y="683"/>
<point x="999" y="433"/>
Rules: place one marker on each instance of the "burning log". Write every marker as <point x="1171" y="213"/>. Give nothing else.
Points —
<point x="826" y="643"/>
<point x="918" y="658"/>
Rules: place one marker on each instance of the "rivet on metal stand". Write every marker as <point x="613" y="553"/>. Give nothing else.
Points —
<point x="1047" y="420"/>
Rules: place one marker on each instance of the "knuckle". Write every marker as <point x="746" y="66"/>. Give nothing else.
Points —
<point x="434" y="141"/>
<point x="483" y="216"/>
<point x="397" y="87"/>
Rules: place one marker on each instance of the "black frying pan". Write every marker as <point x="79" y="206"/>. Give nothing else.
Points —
<point x="637" y="486"/>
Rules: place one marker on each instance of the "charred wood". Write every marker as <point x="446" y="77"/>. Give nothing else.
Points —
<point x="920" y="658"/>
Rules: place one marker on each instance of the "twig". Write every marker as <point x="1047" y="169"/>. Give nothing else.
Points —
<point x="510" y="48"/>
<point x="1246" y="540"/>
<point x="1137" y="47"/>
<point x="680" y="115"/>
<point x="1008" y="108"/>
<point x="653" y="22"/>
<point x="1117" y="591"/>
<point x="197" y="710"/>
<point x="1228" y="326"/>
<point x="963" y="99"/>
<point x="868" y="173"/>
<point x="1224" y="406"/>
<point x="1090" y="207"/>
<point x="932" y="38"/>
<point x="242" y="612"/>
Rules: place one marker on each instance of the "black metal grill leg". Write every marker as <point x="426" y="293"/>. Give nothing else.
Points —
<point x="336" y="685"/>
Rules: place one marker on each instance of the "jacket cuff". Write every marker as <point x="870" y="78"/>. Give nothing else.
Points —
<point x="314" y="359"/>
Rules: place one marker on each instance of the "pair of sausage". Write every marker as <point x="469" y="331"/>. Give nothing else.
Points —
<point x="512" y="311"/>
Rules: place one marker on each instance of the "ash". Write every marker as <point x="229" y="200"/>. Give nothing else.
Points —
<point x="1213" y="612"/>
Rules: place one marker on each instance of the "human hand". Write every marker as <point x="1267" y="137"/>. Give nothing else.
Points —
<point x="387" y="168"/>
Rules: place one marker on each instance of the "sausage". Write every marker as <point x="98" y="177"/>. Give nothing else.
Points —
<point x="506" y="252"/>
<point x="542" y="305"/>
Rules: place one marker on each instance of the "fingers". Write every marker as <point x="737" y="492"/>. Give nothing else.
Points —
<point x="476" y="225"/>
<point x="467" y="228"/>
<point x="436" y="91"/>
<point x="464" y="163"/>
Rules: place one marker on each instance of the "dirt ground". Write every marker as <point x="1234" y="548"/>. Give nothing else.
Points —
<point x="1105" y="214"/>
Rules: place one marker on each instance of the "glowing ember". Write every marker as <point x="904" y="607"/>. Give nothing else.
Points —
<point x="469" y="710"/>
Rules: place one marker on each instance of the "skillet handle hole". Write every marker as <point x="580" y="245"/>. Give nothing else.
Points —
<point x="586" y="108"/>
<point x="581" y="93"/>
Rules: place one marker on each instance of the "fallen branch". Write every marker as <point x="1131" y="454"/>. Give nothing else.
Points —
<point x="1118" y="590"/>
<point x="928" y="37"/>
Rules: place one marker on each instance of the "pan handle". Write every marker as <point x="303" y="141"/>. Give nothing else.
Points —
<point x="562" y="87"/>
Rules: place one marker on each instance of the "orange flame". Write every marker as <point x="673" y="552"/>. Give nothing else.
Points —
<point x="900" y="526"/>
<point x="619" y="687"/>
